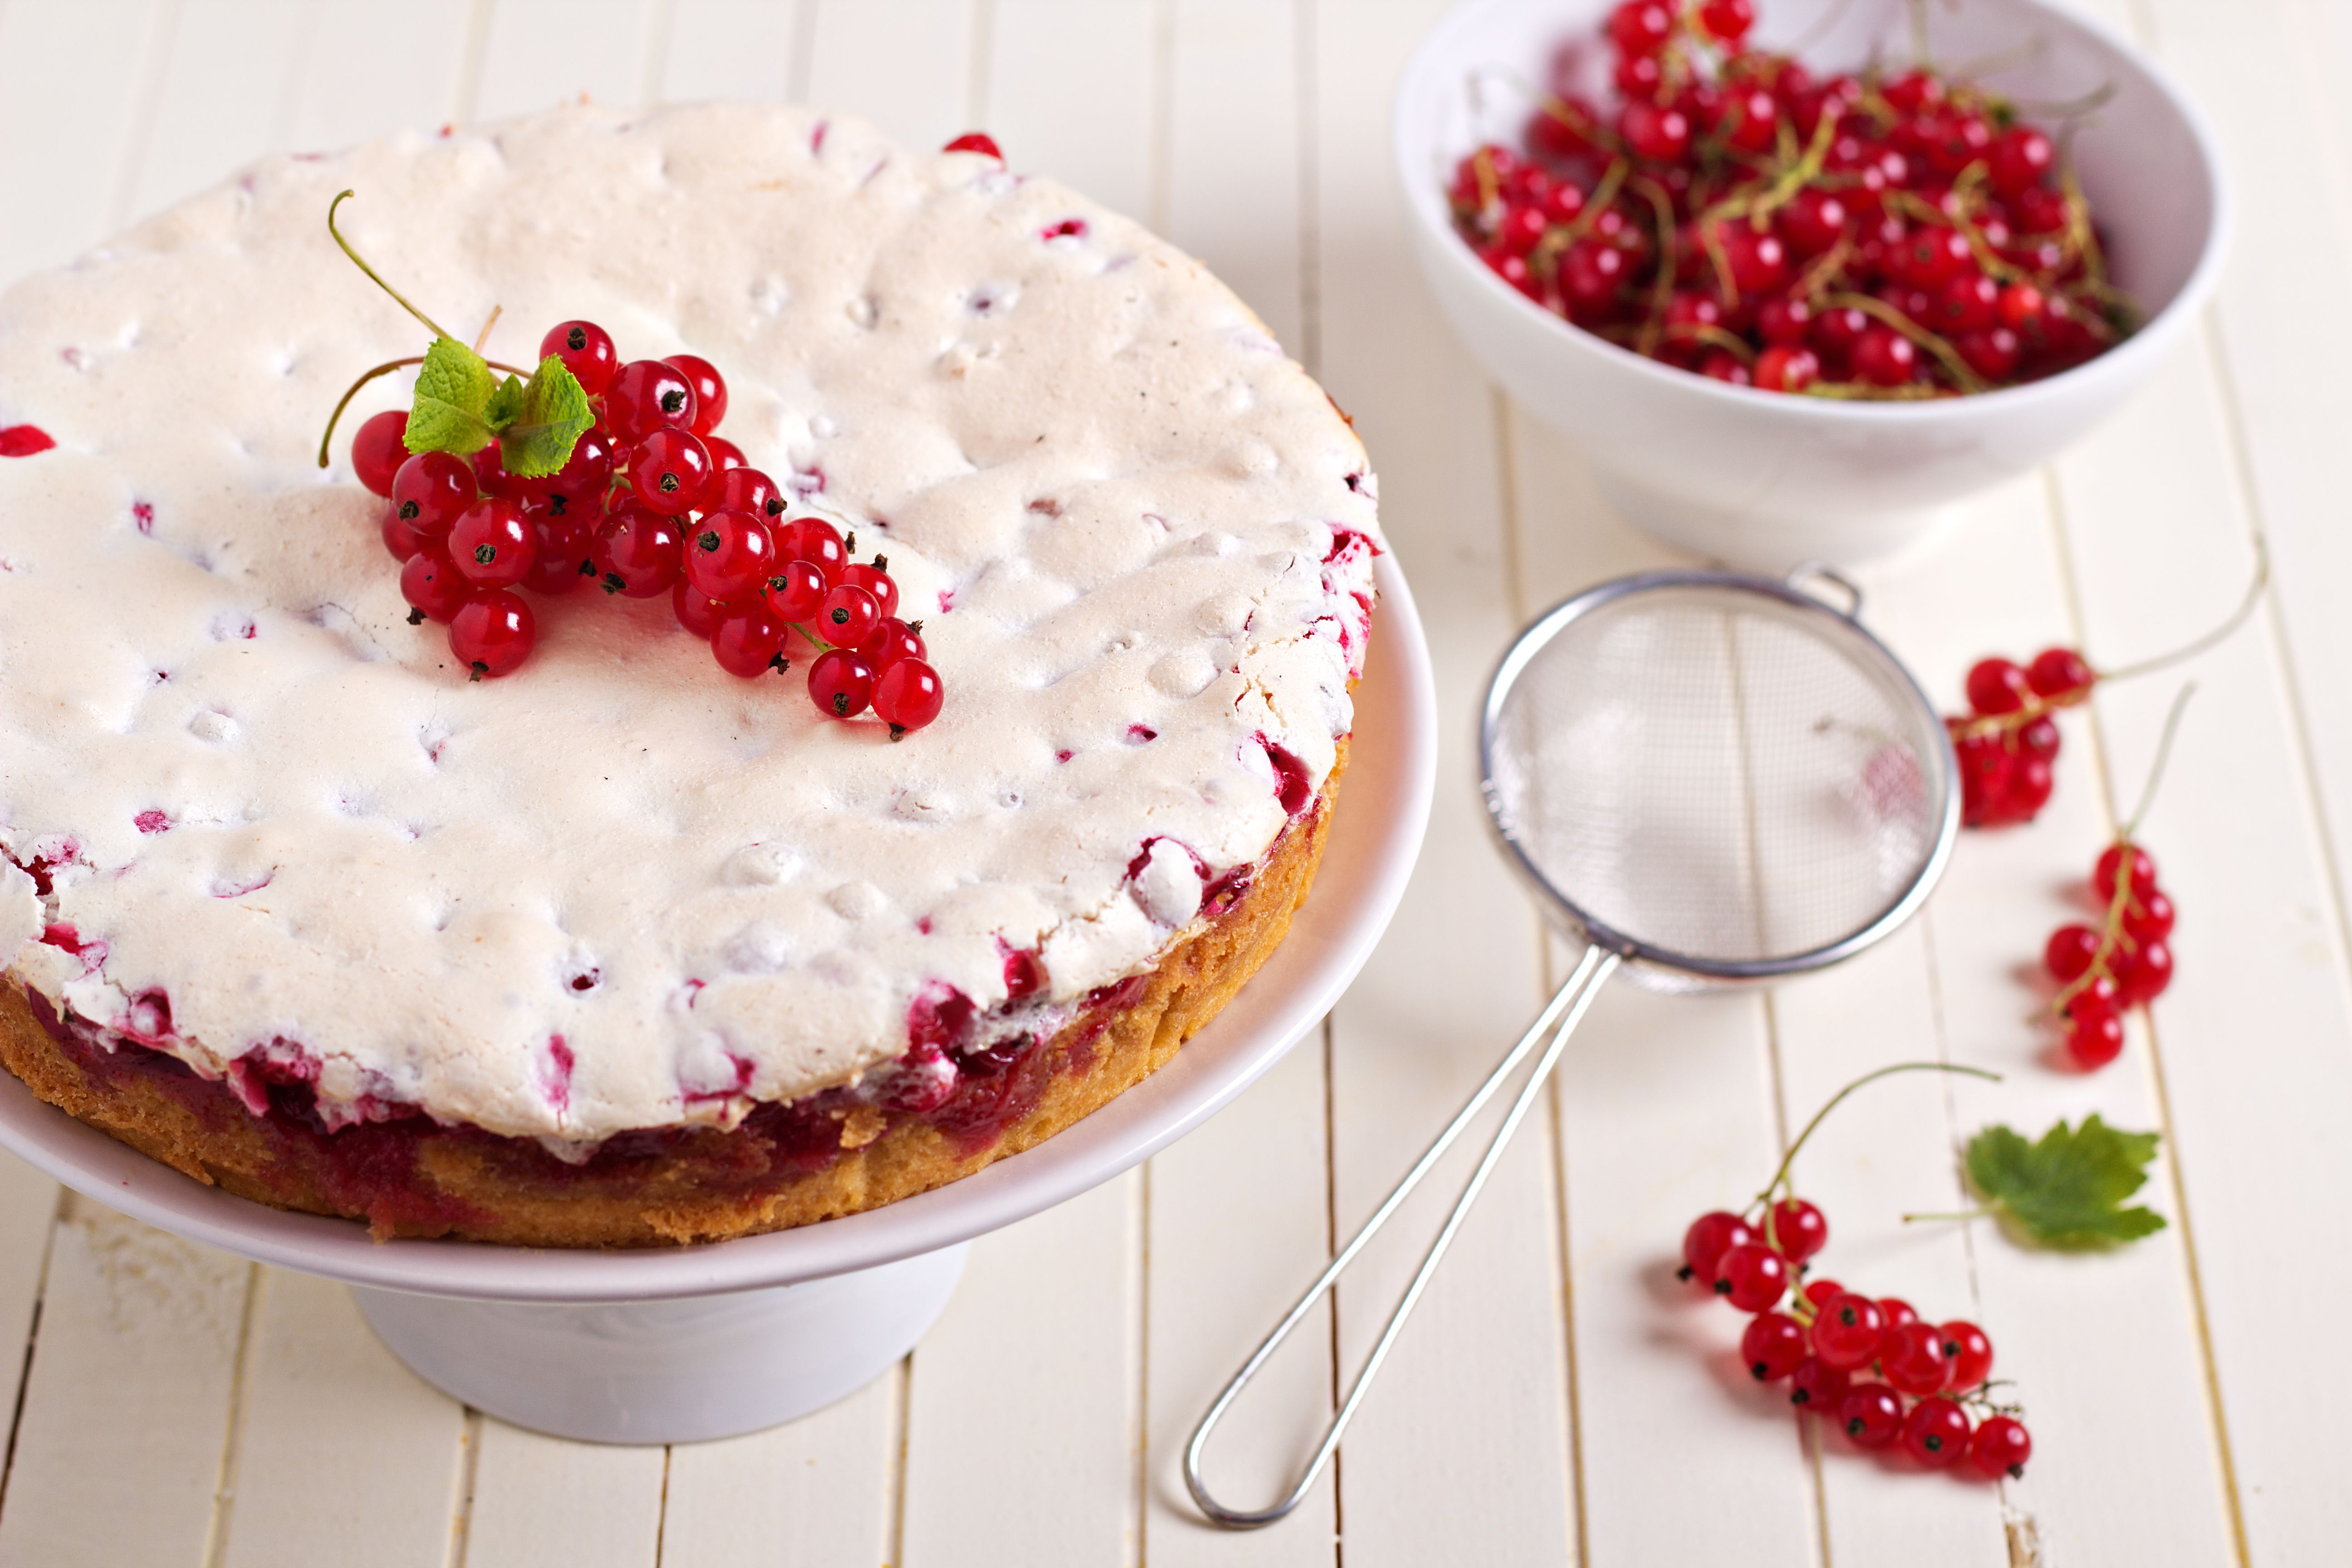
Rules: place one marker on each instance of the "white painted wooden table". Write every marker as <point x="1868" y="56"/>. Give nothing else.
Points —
<point x="1557" y="1399"/>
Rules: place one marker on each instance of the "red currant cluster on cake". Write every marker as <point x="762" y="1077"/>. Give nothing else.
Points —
<point x="2126" y="960"/>
<point x="651" y="502"/>
<point x="1873" y="235"/>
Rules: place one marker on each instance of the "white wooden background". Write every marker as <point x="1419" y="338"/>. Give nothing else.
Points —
<point x="1559" y="1399"/>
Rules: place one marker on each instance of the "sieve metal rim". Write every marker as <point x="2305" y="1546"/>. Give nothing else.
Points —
<point x="1553" y="622"/>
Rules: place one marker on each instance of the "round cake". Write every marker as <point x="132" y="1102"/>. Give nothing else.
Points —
<point x="622" y="949"/>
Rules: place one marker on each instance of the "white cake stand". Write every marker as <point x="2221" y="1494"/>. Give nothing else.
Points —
<point x="693" y="1342"/>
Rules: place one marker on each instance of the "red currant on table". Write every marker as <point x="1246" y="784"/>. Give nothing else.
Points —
<point x="492" y="633"/>
<point x="1969" y="1350"/>
<point x="1897" y="1312"/>
<point x="840" y="683"/>
<point x="1751" y="1275"/>
<point x="638" y="552"/>
<point x="908" y="696"/>
<point x="2141" y="973"/>
<point x="848" y="615"/>
<point x="816" y="542"/>
<point x="1912" y="1358"/>
<point x="431" y="584"/>
<point x="2000" y="1447"/>
<point x="876" y="580"/>
<point x="1708" y="1238"/>
<point x="1817" y="1387"/>
<point x="1799" y="1230"/>
<point x="1772" y="1346"/>
<point x="431" y="491"/>
<point x="671" y="471"/>
<point x="725" y="455"/>
<point x="2060" y="675"/>
<point x="586" y="350"/>
<point x="729" y="554"/>
<point x="400" y="539"/>
<point x="2069" y="952"/>
<point x="647" y="395"/>
<point x="696" y="611"/>
<point x="747" y="640"/>
<point x="2093" y="1035"/>
<point x="1847" y="1331"/>
<point x="1817" y="1292"/>
<point x="377" y="450"/>
<point x="492" y="546"/>
<point x="581" y="483"/>
<point x="2149" y="915"/>
<point x="795" y="591"/>
<point x="747" y="490"/>
<point x="564" y="546"/>
<point x="891" y="640"/>
<point x="1935" y="1433"/>
<point x="1870" y="1413"/>
<point x="709" y="390"/>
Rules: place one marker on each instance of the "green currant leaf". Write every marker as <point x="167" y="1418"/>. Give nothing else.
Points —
<point x="2068" y="1189"/>
<point x="454" y="388"/>
<point x="550" y="414"/>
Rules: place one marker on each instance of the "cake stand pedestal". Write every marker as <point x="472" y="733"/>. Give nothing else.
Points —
<point x="662" y="1345"/>
<point x="668" y="1370"/>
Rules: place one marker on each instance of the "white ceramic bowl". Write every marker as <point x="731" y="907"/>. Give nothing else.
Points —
<point x="1763" y="479"/>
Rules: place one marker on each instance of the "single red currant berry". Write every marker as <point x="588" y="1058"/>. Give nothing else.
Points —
<point x="1771" y="1347"/>
<point x="747" y="490"/>
<point x="2093" y="1035"/>
<point x="2060" y="674"/>
<point x="1753" y="1276"/>
<point x="1994" y="354"/>
<point x="638" y="552"/>
<point x="377" y="450"/>
<point x="2111" y="866"/>
<point x="2022" y="157"/>
<point x="1799" y="1228"/>
<point x="1653" y="131"/>
<point x="1641" y="26"/>
<point x="586" y="350"/>
<point x="1935" y="1433"/>
<point x="978" y="141"/>
<point x="1814" y="221"/>
<point x="582" y="480"/>
<point x="1884" y="357"/>
<point x="492" y="545"/>
<point x="2142" y="973"/>
<point x="840" y="683"/>
<point x="1779" y="369"/>
<point x="795" y="591"/>
<point x="2039" y="738"/>
<point x="908" y="696"/>
<point x="564" y="543"/>
<point x="1996" y="686"/>
<point x="1838" y="330"/>
<point x="430" y="585"/>
<point x="816" y="540"/>
<point x="1912" y="1358"/>
<point x="1819" y="1292"/>
<point x="1818" y="1386"/>
<point x="696" y="611"/>
<point x="670" y="471"/>
<point x="1969" y="1350"/>
<point x="729" y="554"/>
<point x="2000" y="1447"/>
<point x="709" y="390"/>
<point x="491" y="474"/>
<point x="876" y="580"/>
<point x="2021" y="307"/>
<point x="1749" y="120"/>
<point x="1913" y="91"/>
<point x="891" y="640"/>
<point x="431" y="491"/>
<point x="747" y="639"/>
<point x="1846" y="1331"/>
<point x="647" y="395"/>
<point x="1897" y="1312"/>
<point x="1708" y="1238"/>
<point x="492" y="633"/>
<point x="2030" y="779"/>
<point x="2069" y="952"/>
<point x="398" y="537"/>
<point x="2149" y="917"/>
<point x="847" y="616"/>
<point x="725" y="454"/>
<point x="1870" y="1413"/>
<point x="1966" y="304"/>
<point x="1727" y="20"/>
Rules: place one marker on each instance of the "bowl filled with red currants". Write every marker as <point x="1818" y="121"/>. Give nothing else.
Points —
<point x="1797" y="276"/>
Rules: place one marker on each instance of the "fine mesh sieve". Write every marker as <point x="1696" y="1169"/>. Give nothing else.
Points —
<point x="1712" y="780"/>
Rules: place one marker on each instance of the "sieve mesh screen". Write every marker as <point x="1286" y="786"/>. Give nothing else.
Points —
<point x="1716" y="775"/>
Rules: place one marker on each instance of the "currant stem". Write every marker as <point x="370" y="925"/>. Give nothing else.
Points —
<point x="384" y="369"/>
<point x="1954" y="1215"/>
<point x="341" y="197"/>
<point x="1781" y="1176"/>
<point x="2156" y="771"/>
<point x="484" y="335"/>
<point x="2236" y="619"/>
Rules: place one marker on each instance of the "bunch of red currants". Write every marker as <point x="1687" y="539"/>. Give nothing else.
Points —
<point x="1873" y="235"/>
<point x="2123" y="961"/>
<point x="651" y="502"/>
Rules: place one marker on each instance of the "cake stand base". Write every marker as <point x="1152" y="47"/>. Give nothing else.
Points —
<point x="675" y="1371"/>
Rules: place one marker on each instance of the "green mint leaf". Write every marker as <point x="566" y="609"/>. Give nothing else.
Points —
<point x="550" y="414"/>
<point x="505" y="403"/>
<point x="454" y="388"/>
<point x="2067" y="1190"/>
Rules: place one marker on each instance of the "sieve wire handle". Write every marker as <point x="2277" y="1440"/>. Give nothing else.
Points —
<point x="1566" y="1009"/>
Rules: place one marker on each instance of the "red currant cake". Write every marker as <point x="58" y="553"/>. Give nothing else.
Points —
<point x="843" y="676"/>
